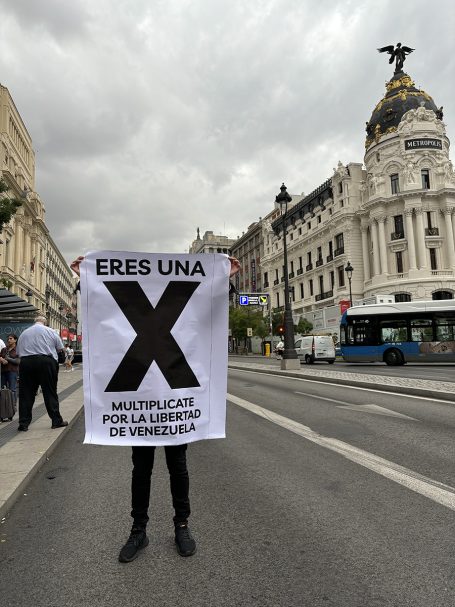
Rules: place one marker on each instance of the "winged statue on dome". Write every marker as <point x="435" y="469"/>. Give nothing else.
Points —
<point x="397" y="53"/>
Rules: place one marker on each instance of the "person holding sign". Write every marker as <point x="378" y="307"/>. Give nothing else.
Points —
<point x="134" y="377"/>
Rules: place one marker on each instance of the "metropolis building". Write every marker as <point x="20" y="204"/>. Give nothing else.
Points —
<point x="392" y="218"/>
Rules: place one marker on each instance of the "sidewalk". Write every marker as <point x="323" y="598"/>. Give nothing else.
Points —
<point x="22" y="454"/>
<point x="403" y="385"/>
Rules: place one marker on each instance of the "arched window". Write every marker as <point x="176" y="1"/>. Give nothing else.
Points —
<point x="402" y="297"/>
<point x="442" y="295"/>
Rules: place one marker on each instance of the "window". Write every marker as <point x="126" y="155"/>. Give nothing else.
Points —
<point x="442" y="295"/>
<point x="330" y="247"/>
<point x="399" y="258"/>
<point x="341" y="203"/>
<point x="309" y="258"/>
<point x="339" y="241"/>
<point x="276" y="274"/>
<point x="277" y="300"/>
<point x="402" y="297"/>
<point x="445" y="328"/>
<point x="425" y="179"/>
<point x="392" y="331"/>
<point x="421" y="329"/>
<point x="319" y="219"/>
<point x="340" y="188"/>
<point x="300" y="231"/>
<point x="363" y="332"/>
<point x="398" y="222"/>
<point x="301" y="290"/>
<point x="266" y="278"/>
<point x="292" y="236"/>
<point x="319" y="253"/>
<point x="321" y="284"/>
<point x="394" y="183"/>
<point x="311" y="287"/>
<point x="332" y="280"/>
<point x="429" y="220"/>
<point x="433" y="260"/>
<point x="292" y="267"/>
<point x="309" y="225"/>
<point x="340" y="271"/>
<point x="300" y="263"/>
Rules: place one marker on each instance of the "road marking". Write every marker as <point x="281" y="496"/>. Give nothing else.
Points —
<point x="377" y="410"/>
<point x="328" y="383"/>
<point x="434" y="490"/>
<point x="362" y="408"/>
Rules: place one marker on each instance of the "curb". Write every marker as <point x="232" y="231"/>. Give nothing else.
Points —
<point x="428" y="393"/>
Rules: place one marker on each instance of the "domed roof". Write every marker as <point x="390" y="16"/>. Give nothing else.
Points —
<point x="401" y="96"/>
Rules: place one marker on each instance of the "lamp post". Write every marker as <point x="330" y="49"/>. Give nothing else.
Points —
<point x="349" y="270"/>
<point x="60" y="308"/>
<point x="290" y="359"/>
<point x="29" y="295"/>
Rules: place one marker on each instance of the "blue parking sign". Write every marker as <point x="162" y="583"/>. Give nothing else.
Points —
<point x="243" y="300"/>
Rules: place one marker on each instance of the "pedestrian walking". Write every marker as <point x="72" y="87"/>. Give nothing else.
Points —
<point x="69" y="355"/>
<point x="9" y="361"/>
<point x="143" y="460"/>
<point x="38" y="348"/>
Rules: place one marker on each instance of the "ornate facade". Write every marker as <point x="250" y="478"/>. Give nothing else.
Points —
<point x="393" y="218"/>
<point x="30" y="261"/>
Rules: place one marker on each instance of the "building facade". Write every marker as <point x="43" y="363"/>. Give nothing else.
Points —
<point x="392" y="218"/>
<point x="211" y="243"/>
<point x="249" y="250"/>
<point x="31" y="265"/>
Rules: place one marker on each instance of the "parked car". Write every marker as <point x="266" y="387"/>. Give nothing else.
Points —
<point x="311" y="348"/>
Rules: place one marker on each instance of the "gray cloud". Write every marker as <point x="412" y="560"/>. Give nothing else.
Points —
<point x="152" y="118"/>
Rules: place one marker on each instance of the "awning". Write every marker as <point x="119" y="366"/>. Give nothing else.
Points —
<point x="13" y="304"/>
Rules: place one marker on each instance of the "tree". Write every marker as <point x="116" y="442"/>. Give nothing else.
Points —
<point x="8" y="206"/>
<point x="304" y="326"/>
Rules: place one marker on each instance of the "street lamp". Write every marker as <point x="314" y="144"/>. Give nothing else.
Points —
<point x="29" y="294"/>
<point x="61" y="308"/>
<point x="290" y="359"/>
<point x="349" y="270"/>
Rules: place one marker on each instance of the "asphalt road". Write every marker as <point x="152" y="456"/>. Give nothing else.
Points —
<point x="293" y="508"/>
<point x="430" y="371"/>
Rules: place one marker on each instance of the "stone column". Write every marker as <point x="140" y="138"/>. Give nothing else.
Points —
<point x="383" y="245"/>
<point x="18" y="245"/>
<point x="450" y="246"/>
<point x="410" y="238"/>
<point x="421" y="239"/>
<point x="374" y="237"/>
<point x="365" y="252"/>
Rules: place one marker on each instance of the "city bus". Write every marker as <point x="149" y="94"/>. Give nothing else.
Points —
<point x="397" y="333"/>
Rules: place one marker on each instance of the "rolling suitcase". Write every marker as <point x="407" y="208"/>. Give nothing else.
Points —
<point x="7" y="406"/>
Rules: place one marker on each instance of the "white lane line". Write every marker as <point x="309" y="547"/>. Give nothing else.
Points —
<point x="433" y="490"/>
<point x="327" y="383"/>
<point x="376" y="409"/>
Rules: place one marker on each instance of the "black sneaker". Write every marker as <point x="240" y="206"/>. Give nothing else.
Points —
<point x="137" y="540"/>
<point x="186" y="546"/>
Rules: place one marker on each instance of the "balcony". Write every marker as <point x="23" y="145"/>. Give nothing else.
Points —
<point x="282" y="279"/>
<point x="330" y="257"/>
<point x="299" y="271"/>
<point x="276" y="282"/>
<point x="309" y="267"/>
<point x="339" y="251"/>
<point x="319" y="262"/>
<point x="266" y="284"/>
<point x="431" y="231"/>
<point x="291" y="275"/>
<point x="396" y="235"/>
<point x="325" y="295"/>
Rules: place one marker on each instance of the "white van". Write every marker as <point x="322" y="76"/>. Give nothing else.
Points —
<point x="315" y="347"/>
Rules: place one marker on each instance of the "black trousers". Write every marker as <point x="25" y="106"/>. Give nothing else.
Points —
<point x="35" y="371"/>
<point x="143" y="459"/>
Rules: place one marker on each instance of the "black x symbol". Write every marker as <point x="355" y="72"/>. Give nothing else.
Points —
<point x="153" y="341"/>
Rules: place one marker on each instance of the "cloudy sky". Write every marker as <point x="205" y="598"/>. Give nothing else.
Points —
<point x="150" y="118"/>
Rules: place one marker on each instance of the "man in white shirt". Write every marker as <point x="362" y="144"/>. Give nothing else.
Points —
<point x="38" y="348"/>
<point x="69" y="355"/>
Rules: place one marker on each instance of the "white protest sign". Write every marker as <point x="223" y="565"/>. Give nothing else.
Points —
<point x="155" y="347"/>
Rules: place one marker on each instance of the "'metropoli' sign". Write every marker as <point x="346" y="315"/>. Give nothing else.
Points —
<point x="155" y="347"/>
